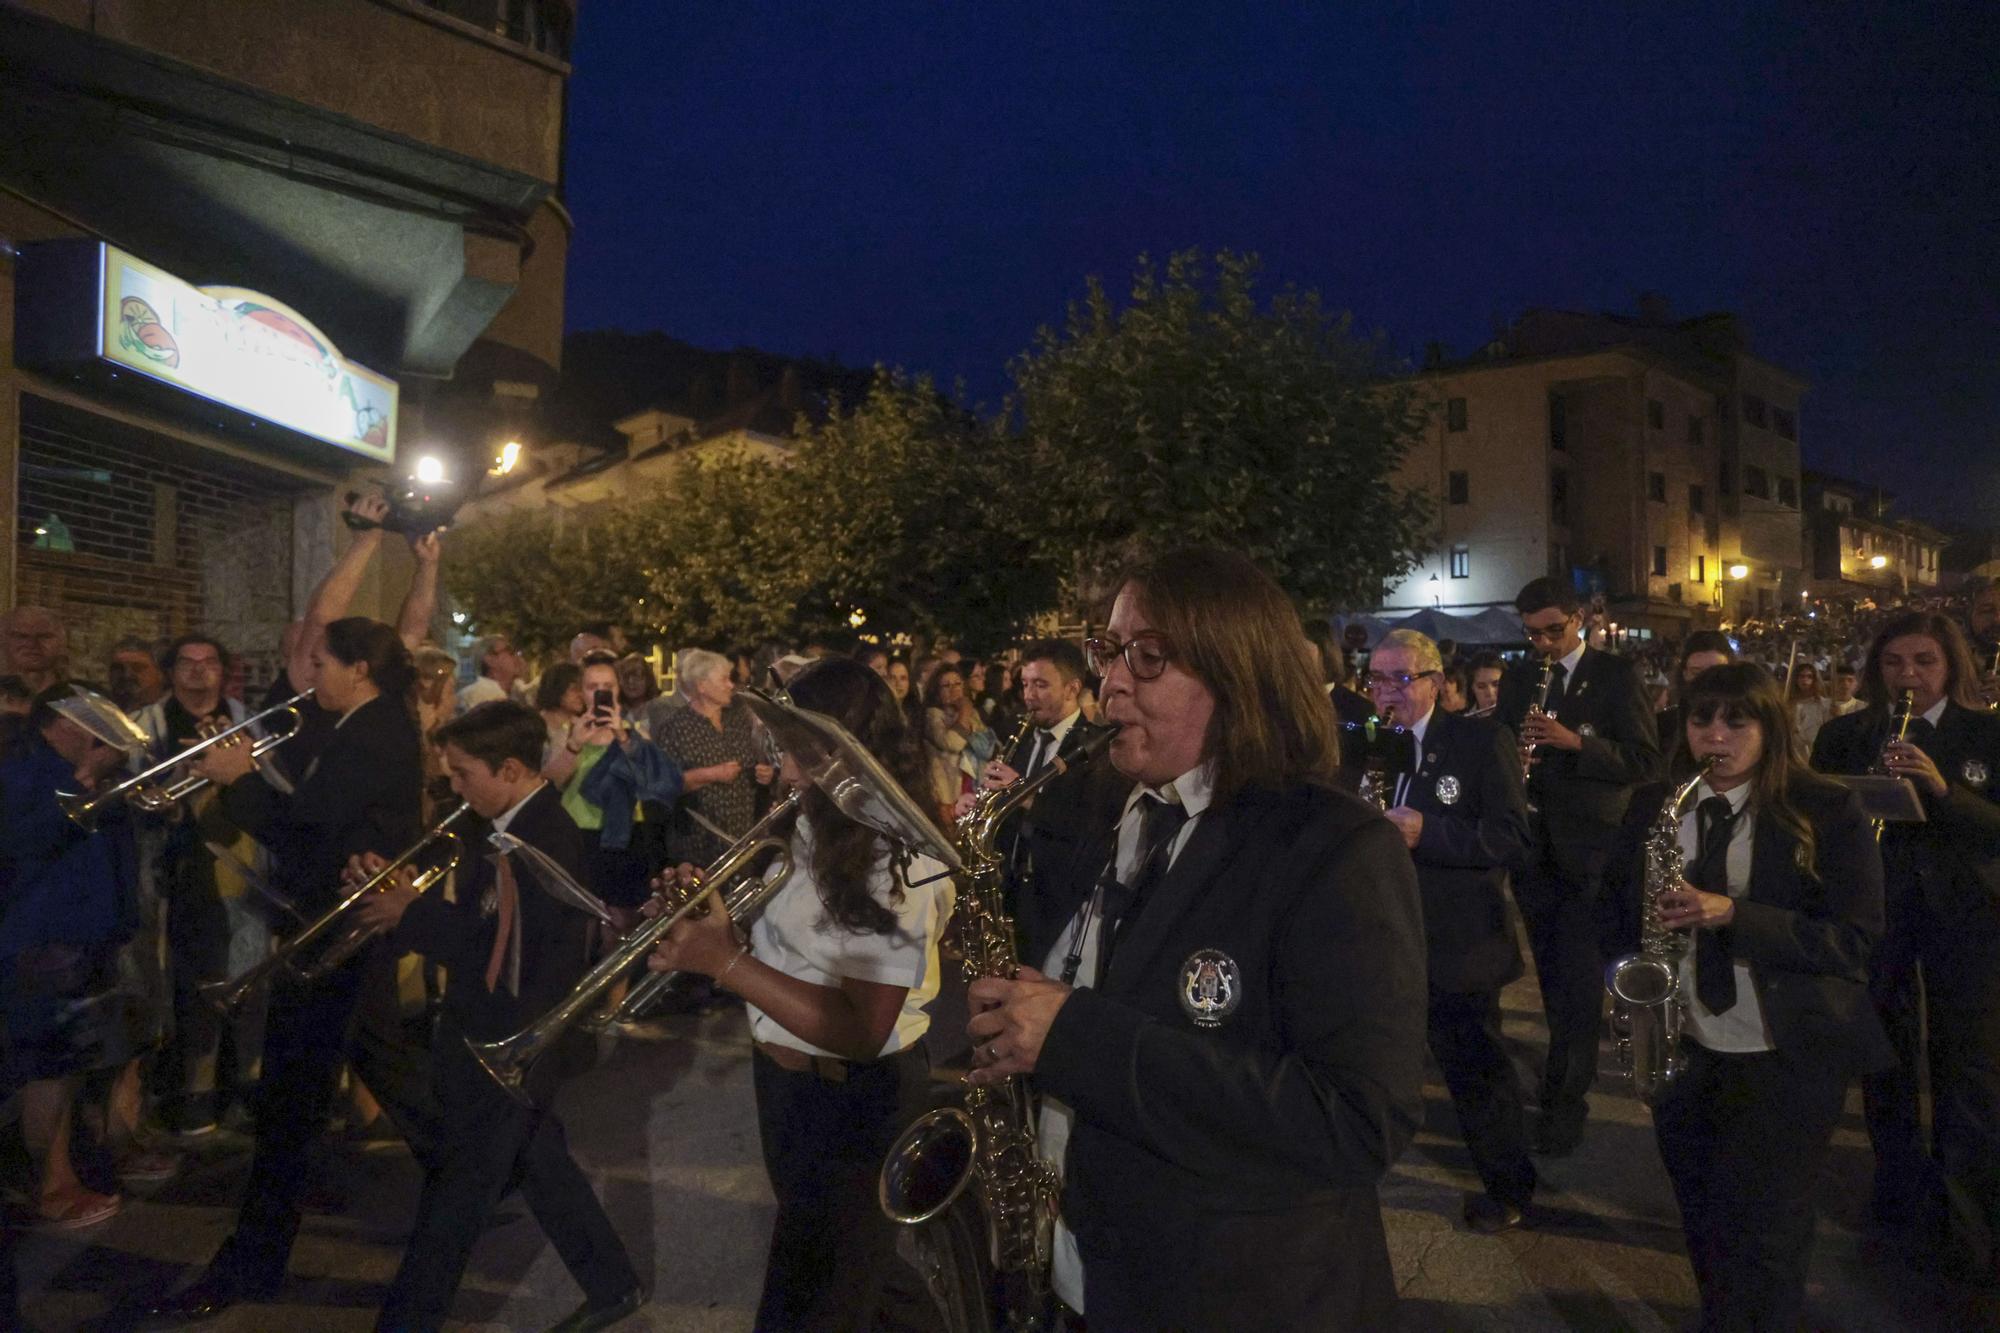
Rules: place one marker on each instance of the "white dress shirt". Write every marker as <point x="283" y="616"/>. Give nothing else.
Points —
<point x="1742" y="1029"/>
<point x="1404" y="779"/>
<point x="1192" y="790"/>
<point x="1052" y="737"/>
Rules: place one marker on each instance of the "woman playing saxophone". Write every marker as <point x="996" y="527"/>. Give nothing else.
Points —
<point x="837" y="973"/>
<point x="1783" y="898"/>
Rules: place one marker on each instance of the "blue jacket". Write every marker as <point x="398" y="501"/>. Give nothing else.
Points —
<point x="59" y="884"/>
<point x="628" y="774"/>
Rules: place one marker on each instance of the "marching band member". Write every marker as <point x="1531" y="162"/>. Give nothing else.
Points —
<point x="1783" y="893"/>
<point x="836" y="973"/>
<point x="1593" y="742"/>
<point x="1228" y="1031"/>
<point x="1464" y="818"/>
<point x="361" y="793"/>
<point x="1700" y="650"/>
<point x="1943" y="877"/>
<point x="511" y="953"/>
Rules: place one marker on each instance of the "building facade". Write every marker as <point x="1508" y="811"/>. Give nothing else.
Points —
<point x="1857" y="549"/>
<point x="1653" y="463"/>
<point x="253" y="257"/>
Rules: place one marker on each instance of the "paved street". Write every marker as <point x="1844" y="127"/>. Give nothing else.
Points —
<point x="666" y="1127"/>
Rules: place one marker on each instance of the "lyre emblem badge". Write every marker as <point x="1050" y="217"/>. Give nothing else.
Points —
<point x="1585" y="729"/>
<point x="1974" y="772"/>
<point x="1447" y="790"/>
<point x="1211" y="987"/>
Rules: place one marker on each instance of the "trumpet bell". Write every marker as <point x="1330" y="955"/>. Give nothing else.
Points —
<point x="928" y="1167"/>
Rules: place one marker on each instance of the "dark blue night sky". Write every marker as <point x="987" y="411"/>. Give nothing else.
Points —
<point x="923" y="185"/>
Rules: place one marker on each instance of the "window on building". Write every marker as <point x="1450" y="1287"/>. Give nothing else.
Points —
<point x="1461" y="562"/>
<point x="1785" y="423"/>
<point x="1458" y="489"/>
<point x="1656" y="486"/>
<point x="1697" y="431"/>
<point x="1559" y="496"/>
<point x="1753" y="410"/>
<point x="1558" y="424"/>
<point x="1697" y="500"/>
<point x="1698" y="569"/>
<point x="1788" y="492"/>
<point x="1660" y="561"/>
<point x="1454" y="414"/>
<point x="1756" y="483"/>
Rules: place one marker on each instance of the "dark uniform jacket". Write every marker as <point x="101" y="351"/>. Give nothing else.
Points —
<point x="459" y="933"/>
<point x="362" y="792"/>
<point x="1467" y="785"/>
<point x="1074" y="809"/>
<point x="1225" y="1176"/>
<point x="1581" y="794"/>
<point x="1947" y="869"/>
<point x="1807" y="936"/>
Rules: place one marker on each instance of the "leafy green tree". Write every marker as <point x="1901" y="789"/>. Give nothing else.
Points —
<point x="536" y="575"/>
<point x="1198" y="413"/>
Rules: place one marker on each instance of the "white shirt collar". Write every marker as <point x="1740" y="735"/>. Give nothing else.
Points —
<point x="1192" y="790"/>
<point x="1420" y="726"/>
<point x="1736" y="796"/>
<point x="1061" y="729"/>
<point x="1569" y="663"/>
<point x="500" y="824"/>
<point x="1936" y="710"/>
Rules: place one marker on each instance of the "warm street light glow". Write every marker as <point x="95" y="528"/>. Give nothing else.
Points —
<point x="1739" y="571"/>
<point x="1878" y="562"/>
<point x="430" y="470"/>
<point x="510" y="458"/>
<point x="858" y="618"/>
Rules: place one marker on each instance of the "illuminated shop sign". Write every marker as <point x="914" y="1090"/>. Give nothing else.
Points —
<point x="243" y="349"/>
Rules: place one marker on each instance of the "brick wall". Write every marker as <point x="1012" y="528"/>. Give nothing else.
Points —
<point x="163" y="538"/>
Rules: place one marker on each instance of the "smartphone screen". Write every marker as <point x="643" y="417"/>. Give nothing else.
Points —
<point x="602" y="701"/>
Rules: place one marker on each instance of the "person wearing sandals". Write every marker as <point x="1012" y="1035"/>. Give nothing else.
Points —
<point x="68" y="903"/>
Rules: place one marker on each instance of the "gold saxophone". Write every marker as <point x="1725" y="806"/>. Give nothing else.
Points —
<point x="989" y="1141"/>
<point x="1647" y="1007"/>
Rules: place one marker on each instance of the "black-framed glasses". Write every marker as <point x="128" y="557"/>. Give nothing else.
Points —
<point x="1145" y="654"/>
<point x="1549" y="633"/>
<point x="1402" y="680"/>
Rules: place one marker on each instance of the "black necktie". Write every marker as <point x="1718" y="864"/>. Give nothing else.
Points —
<point x="1045" y="750"/>
<point x="1714" y="970"/>
<point x="1160" y="823"/>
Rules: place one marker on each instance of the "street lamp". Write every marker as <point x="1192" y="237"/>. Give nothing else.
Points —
<point x="1739" y="571"/>
<point x="1437" y="593"/>
<point x="1878" y="562"/>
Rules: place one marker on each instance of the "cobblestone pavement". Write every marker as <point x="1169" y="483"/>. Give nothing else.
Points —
<point x="667" y="1130"/>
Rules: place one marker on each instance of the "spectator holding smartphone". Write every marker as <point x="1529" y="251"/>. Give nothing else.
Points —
<point x="608" y="773"/>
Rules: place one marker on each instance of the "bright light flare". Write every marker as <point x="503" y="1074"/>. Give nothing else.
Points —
<point x="430" y="470"/>
<point x="509" y="459"/>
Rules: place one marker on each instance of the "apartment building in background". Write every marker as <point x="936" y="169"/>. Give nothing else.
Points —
<point x="1857" y="548"/>
<point x="1653" y="462"/>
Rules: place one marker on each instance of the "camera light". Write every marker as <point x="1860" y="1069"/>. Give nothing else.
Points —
<point x="509" y="459"/>
<point x="430" y="470"/>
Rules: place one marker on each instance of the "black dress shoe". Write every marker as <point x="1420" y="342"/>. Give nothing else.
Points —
<point x="588" y="1318"/>
<point x="1490" y="1216"/>
<point x="207" y="1296"/>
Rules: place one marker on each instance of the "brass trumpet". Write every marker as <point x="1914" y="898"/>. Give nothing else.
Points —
<point x="145" y="790"/>
<point x="510" y="1059"/>
<point x="224" y="996"/>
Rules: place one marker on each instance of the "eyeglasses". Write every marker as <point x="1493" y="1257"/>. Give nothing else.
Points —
<point x="1382" y="680"/>
<point x="1551" y="633"/>
<point x="1145" y="655"/>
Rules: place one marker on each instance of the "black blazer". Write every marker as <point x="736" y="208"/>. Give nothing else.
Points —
<point x="1581" y="795"/>
<point x="1466" y="849"/>
<point x="459" y="935"/>
<point x="1074" y="810"/>
<point x="1225" y="1176"/>
<point x="362" y="792"/>
<point x="1807" y="937"/>
<point x="1949" y="866"/>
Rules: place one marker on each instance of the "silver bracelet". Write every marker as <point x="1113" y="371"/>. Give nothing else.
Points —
<point x="742" y="951"/>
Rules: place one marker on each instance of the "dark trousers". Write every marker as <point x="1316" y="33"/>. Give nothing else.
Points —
<point x="824" y="1141"/>
<point x="306" y="1038"/>
<point x="491" y="1143"/>
<point x="1464" y="1035"/>
<point x="1744" y="1138"/>
<point x="1950" y="1195"/>
<point x="1561" y="913"/>
<point x="197" y="953"/>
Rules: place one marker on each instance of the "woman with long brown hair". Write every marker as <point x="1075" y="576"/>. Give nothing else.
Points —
<point x="837" y="974"/>
<point x="1943" y="885"/>
<point x="1782" y="893"/>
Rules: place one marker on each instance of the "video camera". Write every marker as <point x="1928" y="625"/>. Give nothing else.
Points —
<point x="418" y="505"/>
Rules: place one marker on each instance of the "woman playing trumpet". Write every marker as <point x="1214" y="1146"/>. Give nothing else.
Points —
<point x="362" y="793"/>
<point x="837" y="973"/>
<point x="1783" y="894"/>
